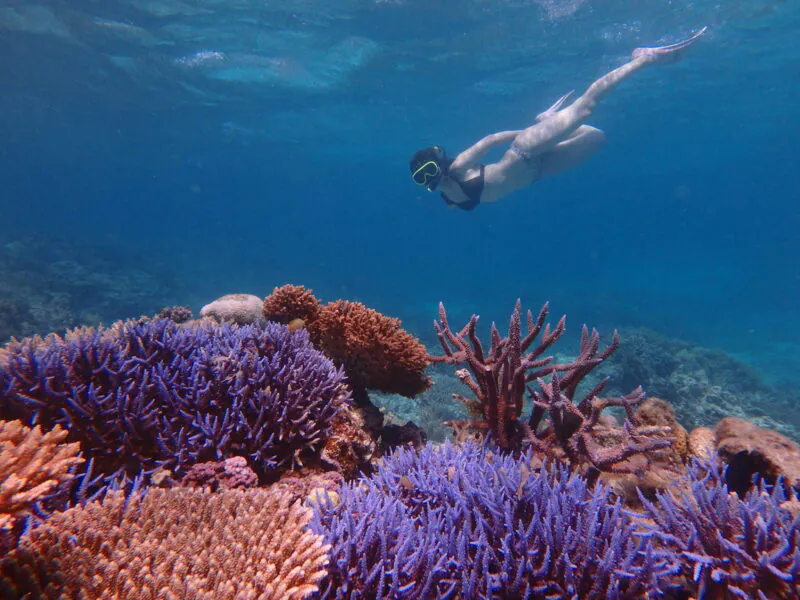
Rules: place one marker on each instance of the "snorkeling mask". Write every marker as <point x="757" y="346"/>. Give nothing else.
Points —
<point x="428" y="166"/>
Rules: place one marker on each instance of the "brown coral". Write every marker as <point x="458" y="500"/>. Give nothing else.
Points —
<point x="656" y="412"/>
<point x="374" y="350"/>
<point x="350" y="446"/>
<point x="175" y="543"/>
<point x="32" y="465"/>
<point x="703" y="443"/>
<point x="290" y="302"/>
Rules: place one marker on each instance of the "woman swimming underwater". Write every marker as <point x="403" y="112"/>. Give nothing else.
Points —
<point x="558" y="141"/>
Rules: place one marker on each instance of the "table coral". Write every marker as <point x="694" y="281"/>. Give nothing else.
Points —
<point x="146" y="396"/>
<point x="177" y="543"/>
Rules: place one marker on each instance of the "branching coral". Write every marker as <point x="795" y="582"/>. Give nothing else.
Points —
<point x="498" y="381"/>
<point x="176" y="543"/>
<point x="32" y="465"/>
<point x="730" y="547"/>
<point x="150" y="396"/>
<point x="464" y="523"/>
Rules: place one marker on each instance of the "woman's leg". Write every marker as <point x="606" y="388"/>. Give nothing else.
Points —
<point x="583" y="143"/>
<point x="552" y="130"/>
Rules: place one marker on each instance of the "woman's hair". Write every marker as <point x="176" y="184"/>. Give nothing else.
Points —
<point x="433" y="153"/>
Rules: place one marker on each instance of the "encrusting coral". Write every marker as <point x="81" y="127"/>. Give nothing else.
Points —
<point x="171" y="544"/>
<point x="143" y="397"/>
<point x="374" y="350"/>
<point x="32" y="465"/>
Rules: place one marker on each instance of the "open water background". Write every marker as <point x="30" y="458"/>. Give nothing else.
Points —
<point x="239" y="145"/>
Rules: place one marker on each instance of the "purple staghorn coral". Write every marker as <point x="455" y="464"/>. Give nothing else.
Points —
<point x="153" y="396"/>
<point x="498" y="381"/>
<point x="730" y="547"/>
<point x="466" y="523"/>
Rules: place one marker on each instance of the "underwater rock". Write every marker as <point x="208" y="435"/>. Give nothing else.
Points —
<point x="703" y="443"/>
<point x="751" y="450"/>
<point x="242" y="309"/>
<point x="410" y="434"/>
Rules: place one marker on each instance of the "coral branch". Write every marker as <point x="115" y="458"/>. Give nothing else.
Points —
<point x="498" y="379"/>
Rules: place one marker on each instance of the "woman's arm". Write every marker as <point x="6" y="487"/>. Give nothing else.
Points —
<point x="473" y="154"/>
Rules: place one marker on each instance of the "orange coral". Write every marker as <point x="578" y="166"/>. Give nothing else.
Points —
<point x="374" y="350"/>
<point x="175" y="543"/>
<point x="290" y="302"/>
<point x="32" y="464"/>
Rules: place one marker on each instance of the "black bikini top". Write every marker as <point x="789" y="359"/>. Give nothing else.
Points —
<point x="472" y="188"/>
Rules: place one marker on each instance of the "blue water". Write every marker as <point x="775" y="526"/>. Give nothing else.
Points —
<point x="244" y="144"/>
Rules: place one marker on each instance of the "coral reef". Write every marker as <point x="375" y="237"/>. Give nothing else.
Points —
<point x="50" y="284"/>
<point x="242" y="309"/>
<point x="176" y="543"/>
<point x="374" y="350"/>
<point x="32" y="465"/>
<point x="703" y="385"/>
<point x="498" y="384"/>
<point x="466" y="523"/>
<point x="149" y="396"/>
<point x="729" y="547"/>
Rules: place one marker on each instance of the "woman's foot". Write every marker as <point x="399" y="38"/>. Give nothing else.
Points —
<point x="667" y="54"/>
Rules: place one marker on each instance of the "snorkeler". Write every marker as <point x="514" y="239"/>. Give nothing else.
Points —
<point x="558" y="141"/>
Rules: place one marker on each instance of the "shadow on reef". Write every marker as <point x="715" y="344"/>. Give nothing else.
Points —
<point x="49" y="284"/>
<point x="250" y="433"/>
